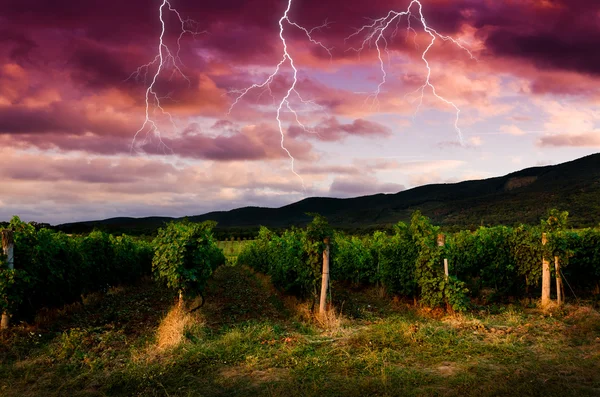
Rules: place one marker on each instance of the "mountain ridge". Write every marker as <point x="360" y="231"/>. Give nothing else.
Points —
<point x="518" y="197"/>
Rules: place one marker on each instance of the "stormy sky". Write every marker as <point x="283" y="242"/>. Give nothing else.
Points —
<point x="71" y="102"/>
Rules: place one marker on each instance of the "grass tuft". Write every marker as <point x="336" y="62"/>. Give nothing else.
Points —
<point x="171" y="331"/>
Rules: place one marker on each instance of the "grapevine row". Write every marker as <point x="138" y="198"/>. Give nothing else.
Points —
<point x="52" y="269"/>
<point x="491" y="263"/>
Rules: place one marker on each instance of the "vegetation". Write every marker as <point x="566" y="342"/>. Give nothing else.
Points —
<point x="253" y="337"/>
<point x="232" y="248"/>
<point x="53" y="269"/>
<point x="486" y="265"/>
<point x="294" y="259"/>
<point x="89" y="320"/>
<point x="250" y="340"/>
<point x="185" y="256"/>
<point x="434" y="287"/>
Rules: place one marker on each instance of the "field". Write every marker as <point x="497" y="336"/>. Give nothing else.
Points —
<point x="232" y="248"/>
<point x="249" y="339"/>
<point x="97" y="314"/>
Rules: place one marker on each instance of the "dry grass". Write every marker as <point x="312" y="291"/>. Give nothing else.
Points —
<point x="330" y="320"/>
<point x="582" y="313"/>
<point x="263" y="279"/>
<point x="583" y="324"/>
<point x="170" y="332"/>
<point x="462" y="322"/>
<point x="301" y="309"/>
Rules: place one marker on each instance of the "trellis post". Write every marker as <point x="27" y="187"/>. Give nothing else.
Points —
<point x="545" y="276"/>
<point x="324" y="278"/>
<point x="8" y="250"/>
<point x="441" y="241"/>
<point x="559" y="297"/>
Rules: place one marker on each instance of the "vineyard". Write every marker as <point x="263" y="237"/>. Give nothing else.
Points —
<point x="487" y="265"/>
<point x="99" y="314"/>
<point x="54" y="269"/>
<point x="490" y="264"/>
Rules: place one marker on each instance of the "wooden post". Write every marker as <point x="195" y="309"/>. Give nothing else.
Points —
<point x="8" y="249"/>
<point x="559" y="298"/>
<point x="441" y="241"/>
<point x="180" y="301"/>
<point x="324" y="278"/>
<point x="545" y="276"/>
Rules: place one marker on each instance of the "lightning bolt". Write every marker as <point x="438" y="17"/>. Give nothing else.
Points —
<point x="291" y="90"/>
<point x="375" y="33"/>
<point x="164" y="60"/>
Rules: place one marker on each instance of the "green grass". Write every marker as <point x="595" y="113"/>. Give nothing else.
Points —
<point x="232" y="248"/>
<point x="249" y="340"/>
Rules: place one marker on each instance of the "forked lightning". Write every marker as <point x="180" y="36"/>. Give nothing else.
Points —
<point x="375" y="33"/>
<point x="164" y="60"/>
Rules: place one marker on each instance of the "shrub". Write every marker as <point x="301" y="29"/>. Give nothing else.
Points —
<point x="185" y="256"/>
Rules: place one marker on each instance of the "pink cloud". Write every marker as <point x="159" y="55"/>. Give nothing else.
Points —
<point x="591" y="139"/>
<point x="331" y="129"/>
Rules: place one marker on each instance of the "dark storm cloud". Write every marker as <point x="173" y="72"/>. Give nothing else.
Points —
<point x="18" y="44"/>
<point x="554" y="34"/>
<point x="559" y="34"/>
<point x="67" y="128"/>
<point x="550" y="50"/>
<point x="99" y="44"/>
<point x="99" y="66"/>
<point x="259" y="143"/>
<point x="53" y="118"/>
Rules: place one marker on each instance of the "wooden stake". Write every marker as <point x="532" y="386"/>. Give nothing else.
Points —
<point x="324" y="278"/>
<point x="441" y="241"/>
<point x="8" y="249"/>
<point x="558" y="281"/>
<point x="180" y="301"/>
<point x="446" y="267"/>
<point x="5" y="322"/>
<point x="545" y="277"/>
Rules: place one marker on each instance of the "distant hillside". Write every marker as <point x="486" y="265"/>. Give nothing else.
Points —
<point x="520" y="197"/>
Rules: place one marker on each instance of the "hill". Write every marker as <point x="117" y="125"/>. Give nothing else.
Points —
<point x="519" y="197"/>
